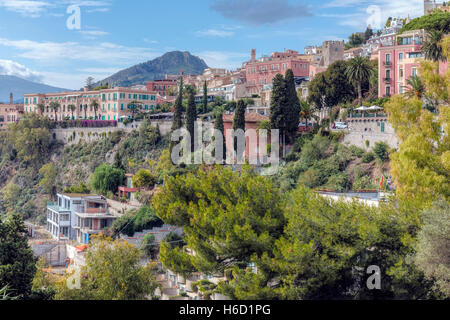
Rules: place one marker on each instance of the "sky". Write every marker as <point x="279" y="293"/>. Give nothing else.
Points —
<point x="62" y="42"/>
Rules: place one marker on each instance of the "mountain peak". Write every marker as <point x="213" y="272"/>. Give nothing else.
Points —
<point x="171" y="63"/>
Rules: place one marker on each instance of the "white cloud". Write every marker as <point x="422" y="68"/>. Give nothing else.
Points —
<point x="221" y="59"/>
<point x="215" y="33"/>
<point x="12" y="68"/>
<point x="27" y="8"/>
<point x="98" y="52"/>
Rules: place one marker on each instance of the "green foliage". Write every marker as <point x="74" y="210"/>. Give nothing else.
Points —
<point x="112" y="272"/>
<point x="144" y="179"/>
<point x="82" y="188"/>
<point x="334" y="85"/>
<point x="48" y="174"/>
<point x="148" y="245"/>
<point x="17" y="263"/>
<point x="438" y="21"/>
<point x="239" y="116"/>
<point x="368" y="157"/>
<point x="381" y="150"/>
<point x="228" y="219"/>
<point x="191" y="117"/>
<point x="278" y="103"/>
<point x="358" y="71"/>
<point x="433" y="243"/>
<point x="143" y="219"/>
<point x="107" y="179"/>
<point x="205" y="97"/>
<point x="356" y="151"/>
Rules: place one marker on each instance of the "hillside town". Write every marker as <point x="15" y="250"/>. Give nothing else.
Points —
<point x="107" y="181"/>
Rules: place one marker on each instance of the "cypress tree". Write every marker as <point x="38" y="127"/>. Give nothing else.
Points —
<point x="239" y="116"/>
<point x="278" y="103"/>
<point x="292" y="107"/>
<point x="191" y="117"/>
<point x="218" y="125"/>
<point x="178" y="109"/>
<point x="205" y="98"/>
<point x="239" y="119"/>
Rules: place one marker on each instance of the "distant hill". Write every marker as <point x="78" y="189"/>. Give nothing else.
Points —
<point x="19" y="87"/>
<point x="170" y="63"/>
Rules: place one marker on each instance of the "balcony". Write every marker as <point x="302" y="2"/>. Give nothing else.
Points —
<point x="387" y="80"/>
<point x="387" y="63"/>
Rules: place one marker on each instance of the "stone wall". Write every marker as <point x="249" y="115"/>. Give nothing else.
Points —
<point x="71" y="136"/>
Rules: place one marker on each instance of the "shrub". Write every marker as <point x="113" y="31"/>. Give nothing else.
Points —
<point x="356" y="151"/>
<point x="339" y="182"/>
<point x="381" y="151"/>
<point x="368" y="157"/>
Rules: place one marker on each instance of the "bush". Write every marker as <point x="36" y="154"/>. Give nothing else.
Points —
<point x="381" y="151"/>
<point x="143" y="219"/>
<point x="368" y="157"/>
<point x="148" y="244"/>
<point x="363" y="183"/>
<point x="107" y="178"/>
<point x="356" y="151"/>
<point x="339" y="182"/>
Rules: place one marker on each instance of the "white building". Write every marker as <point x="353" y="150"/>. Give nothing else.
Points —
<point x="78" y="216"/>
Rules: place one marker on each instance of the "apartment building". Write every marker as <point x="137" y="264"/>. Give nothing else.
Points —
<point x="260" y="72"/>
<point x="113" y="103"/>
<point x="161" y="86"/>
<point x="399" y="62"/>
<point x="78" y="217"/>
<point x="10" y="113"/>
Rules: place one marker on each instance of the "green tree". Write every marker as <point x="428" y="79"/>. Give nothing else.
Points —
<point x="229" y="219"/>
<point x="17" y="263"/>
<point x="148" y="245"/>
<point x="144" y="179"/>
<point x="359" y="71"/>
<point x="239" y="119"/>
<point x="415" y="87"/>
<point x="55" y="106"/>
<point x="381" y="150"/>
<point x="205" y="97"/>
<point x="277" y="104"/>
<point x="48" y="174"/>
<point x="112" y="272"/>
<point x="11" y="193"/>
<point x="72" y="108"/>
<point x="41" y="108"/>
<point x="178" y="108"/>
<point x="94" y="105"/>
<point x="107" y="179"/>
<point x="432" y="49"/>
<point x="433" y="243"/>
<point x="292" y="110"/>
<point x="191" y="117"/>
<point x="218" y="125"/>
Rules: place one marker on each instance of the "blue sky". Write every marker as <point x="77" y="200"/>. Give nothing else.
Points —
<point x="36" y="44"/>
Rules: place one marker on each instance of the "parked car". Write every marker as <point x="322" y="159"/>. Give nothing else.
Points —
<point x="340" y="125"/>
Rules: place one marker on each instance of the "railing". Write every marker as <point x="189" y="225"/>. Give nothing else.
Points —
<point x="387" y="80"/>
<point x="387" y="63"/>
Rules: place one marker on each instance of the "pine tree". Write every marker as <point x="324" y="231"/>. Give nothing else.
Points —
<point x="205" y="97"/>
<point x="17" y="263"/>
<point x="191" y="117"/>
<point x="218" y="125"/>
<point x="292" y="107"/>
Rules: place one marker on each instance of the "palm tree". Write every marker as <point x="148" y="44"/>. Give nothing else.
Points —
<point x="359" y="70"/>
<point x="55" y="106"/>
<point x="432" y="49"/>
<point x="95" y="105"/>
<point x="415" y="87"/>
<point x="85" y="108"/>
<point x="41" y="107"/>
<point x="72" y="108"/>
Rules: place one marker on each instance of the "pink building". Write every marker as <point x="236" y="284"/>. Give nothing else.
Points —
<point x="10" y="113"/>
<point x="399" y="62"/>
<point x="161" y="86"/>
<point x="260" y="72"/>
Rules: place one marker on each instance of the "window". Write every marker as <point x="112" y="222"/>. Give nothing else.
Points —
<point x="388" y="74"/>
<point x="400" y="56"/>
<point x="388" y="58"/>
<point x="388" y="91"/>
<point x="414" y="72"/>
<point x="401" y="73"/>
